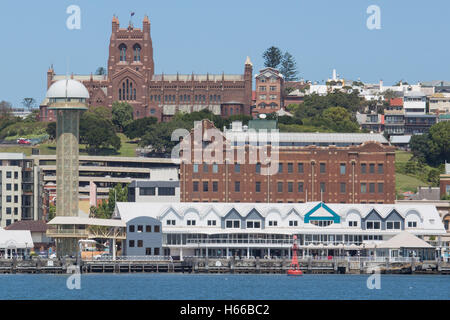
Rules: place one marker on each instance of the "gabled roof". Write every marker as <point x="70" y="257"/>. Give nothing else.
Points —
<point x="31" y="225"/>
<point x="321" y="212"/>
<point x="405" y="240"/>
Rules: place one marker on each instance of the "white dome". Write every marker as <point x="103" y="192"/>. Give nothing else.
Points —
<point x="67" y="89"/>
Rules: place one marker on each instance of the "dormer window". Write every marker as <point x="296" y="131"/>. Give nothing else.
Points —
<point x="235" y="224"/>
<point x="252" y="224"/>
<point x="321" y="223"/>
<point x="190" y="222"/>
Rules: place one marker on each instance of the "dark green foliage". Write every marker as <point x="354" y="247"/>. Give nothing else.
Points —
<point x="51" y="130"/>
<point x="433" y="147"/>
<point x="106" y="208"/>
<point x="288" y="67"/>
<point x="272" y="57"/>
<point x="139" y="127"/>
<point x="97" y="132"/>
<point x="122" y="115"/>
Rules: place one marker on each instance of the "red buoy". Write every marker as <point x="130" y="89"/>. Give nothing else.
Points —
<point x="295" y="268"/>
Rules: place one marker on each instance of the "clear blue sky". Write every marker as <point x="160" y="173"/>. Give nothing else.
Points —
<point x="215" y="36"/>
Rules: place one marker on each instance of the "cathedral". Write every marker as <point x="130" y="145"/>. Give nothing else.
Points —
<point x="130" y="78"/>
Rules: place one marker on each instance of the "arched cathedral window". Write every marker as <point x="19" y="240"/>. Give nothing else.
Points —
<point x="123" y="52"/>
<point x="137" y="52"/>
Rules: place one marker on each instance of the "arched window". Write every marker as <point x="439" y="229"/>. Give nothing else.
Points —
<point x="123" y="52"/>
<point x="127" y="92"/>
<point x="273" y="105"/>
<point x="137" y="52"/>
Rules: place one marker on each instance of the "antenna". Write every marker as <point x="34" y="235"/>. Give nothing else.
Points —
<point x="67" y="75"/>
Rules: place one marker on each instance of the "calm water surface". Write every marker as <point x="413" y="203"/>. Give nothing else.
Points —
<point x="205" y="286"/>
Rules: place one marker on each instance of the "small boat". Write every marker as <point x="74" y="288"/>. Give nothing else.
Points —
<point x="295" y="268"/>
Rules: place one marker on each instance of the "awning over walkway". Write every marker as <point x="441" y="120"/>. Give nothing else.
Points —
<point x="405" y="240"/>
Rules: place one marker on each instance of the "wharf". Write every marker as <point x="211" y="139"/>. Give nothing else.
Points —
<point x="223" y="265"/>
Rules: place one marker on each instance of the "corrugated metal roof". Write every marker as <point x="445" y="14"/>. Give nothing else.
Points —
<point x="400" y="139"/>
<point x="149" y="184"/>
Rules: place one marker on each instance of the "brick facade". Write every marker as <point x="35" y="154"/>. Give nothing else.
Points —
<point x="320" y="167"/>
<point x="130" y="77"/>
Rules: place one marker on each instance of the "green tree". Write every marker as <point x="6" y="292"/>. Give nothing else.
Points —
<point x="122" y="115"/>
<point x="51" y="130"/>
<point x="51" y="212"/>
<point x="338" y="119"/>
<point x="272" y="57"/>
<point x="106" y="208"/>
<point x="139" y="127"/>
<point x="28" y="103"/>
<point x="97" y="132"/>
<point x="289" y="67"/>
<point x="433" y="147"/>
<point x="5" y="109"/>
<point x="433" y="177"/>
<point x="101" y="111"/>
<point x="100" y="71"/>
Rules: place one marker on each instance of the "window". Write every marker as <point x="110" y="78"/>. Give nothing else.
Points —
<point x="371" y="168"/>
<point x="215" y="185"/>
<point x="237" y="186"/>
<point x="363" y="168"/>
<point x="169" y="223"/>
<point x="205" y="186"/>
<point x="373" y="225"/>
<point x="140" y="243"/>
<point x="8" y="186"/>
<point x="293" y="223"/>
<point x="258" y="168"/>
<point x="195" y="186"/>
<point x="205" y="168"/>
<point x="300" y="186"/>
<point x="237" y="168"/>
<point x="190" y="222"/>
<point x="353" y="223"/>
<point x="393" y="225"/>
<point x="195" y="168"/>
<point x="380" y="168"/>
<point x="8" y="210"/>
<point x="166" y="191"/>
<point x="140" y="228"/>
<point x="233" y="224"/>
<point x="257" y="186"/>
<point x="321" y="223"/>
<point x="156" y="228"/>
<point x="342" y="168"/>
<point x="300" y="167"/>
<point x="342" y="187"/>
<point x="290" y="167"/>
<point x="322" y="187"/>
<point x="131" y="243"/>
<point x="16" y="211"/>
<point x="148" y="251"/>
<point x="290" y="187"/>
<point x="212" y="222"/>
<point x="363" y="188"/>
<point x="280" y="168"/>
<point x="280" y="186"/>
<point x="322" y="168"/>
<point x="372" y="187"/>
<point x="8" y="198"/>
<point x="273" y="223"/>
<point x="215" y="168"/>
<point x="123" y="52"/>
<point x="8" y="174"/>
<point x="412" y="224"/>
<point x="253" y="224"/>
<point x="156" y="251"/>
<point x="137" y="52"/>
<point x="148" y="228"/>
<point x="380" y="188"/>
<point x="147" y="191"/>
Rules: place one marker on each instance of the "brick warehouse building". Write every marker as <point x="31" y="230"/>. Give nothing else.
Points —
<point x="332" y="167"/>
<point x="130" y="78"/>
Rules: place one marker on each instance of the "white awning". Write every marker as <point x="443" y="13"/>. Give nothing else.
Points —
<point x="405" y="240"/>
<point x="15" y="239"/>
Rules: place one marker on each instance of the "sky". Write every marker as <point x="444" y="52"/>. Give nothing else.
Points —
<point x="216" y="36"/>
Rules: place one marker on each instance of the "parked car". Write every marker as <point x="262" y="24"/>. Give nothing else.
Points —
<point x="23" y="141"/>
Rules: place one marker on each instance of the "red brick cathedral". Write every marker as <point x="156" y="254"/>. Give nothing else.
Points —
<point x="131" y="78"/>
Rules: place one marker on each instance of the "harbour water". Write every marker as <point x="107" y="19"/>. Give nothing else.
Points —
<point x="221" y="286"/>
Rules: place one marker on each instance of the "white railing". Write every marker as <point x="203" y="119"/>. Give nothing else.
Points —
<point x="238" y="241"/>
<point x="130" y="258"/>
